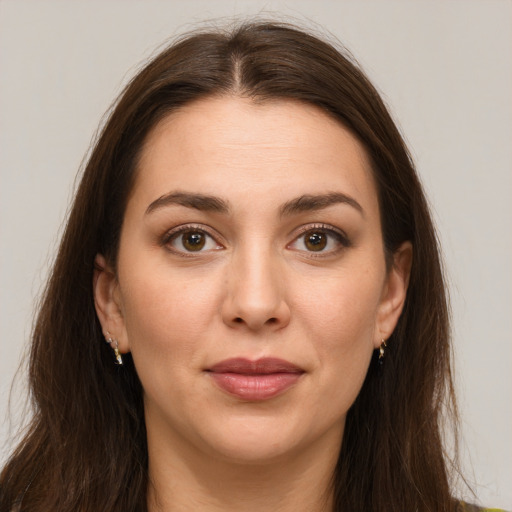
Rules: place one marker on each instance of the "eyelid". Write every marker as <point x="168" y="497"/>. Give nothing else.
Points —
<point x="329" y="229"/>
<point x="184" y="228"/>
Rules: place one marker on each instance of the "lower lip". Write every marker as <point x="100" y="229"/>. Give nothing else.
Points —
<point x="255" y="387"/>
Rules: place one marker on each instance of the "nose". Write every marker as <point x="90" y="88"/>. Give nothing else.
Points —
<point x="255" y="297"/>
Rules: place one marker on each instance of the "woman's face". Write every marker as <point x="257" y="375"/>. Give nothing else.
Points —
<point x="251" y="284"/>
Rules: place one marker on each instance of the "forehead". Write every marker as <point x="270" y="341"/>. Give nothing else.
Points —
<point x="225" y="145"/>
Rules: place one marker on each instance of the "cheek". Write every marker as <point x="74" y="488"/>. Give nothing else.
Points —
<point x="166" y="318"/>
<point x="342" y="309"/>
<point x="166" y="313"/>
<point x="340" y="317"/>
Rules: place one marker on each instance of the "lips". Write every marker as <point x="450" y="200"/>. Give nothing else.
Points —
<point x="257" y="380"/>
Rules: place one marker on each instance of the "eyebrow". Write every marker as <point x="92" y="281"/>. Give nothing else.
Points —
<point x="307" y="203"/>
<point x="197" y="201"/>
<point x="304" y="203"/>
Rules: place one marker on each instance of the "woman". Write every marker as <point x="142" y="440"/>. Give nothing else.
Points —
<point x="252" y="242"/>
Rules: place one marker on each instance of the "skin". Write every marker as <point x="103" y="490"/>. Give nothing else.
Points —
<point x="255" y="289"/>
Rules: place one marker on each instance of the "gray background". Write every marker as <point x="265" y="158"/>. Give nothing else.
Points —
<point x="445" y="69"/>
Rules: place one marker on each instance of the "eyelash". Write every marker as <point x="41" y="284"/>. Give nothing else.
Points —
<point x="175" y="233"/>
<point x="328" y="230"/>
<point x="340" y="237"/>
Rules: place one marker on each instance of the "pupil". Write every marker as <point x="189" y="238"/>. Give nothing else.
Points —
<point x="194" y="241"/>
<point x="316" y="241"/>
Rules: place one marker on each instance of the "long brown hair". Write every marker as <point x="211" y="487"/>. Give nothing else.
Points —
<point x="85" y="449"/>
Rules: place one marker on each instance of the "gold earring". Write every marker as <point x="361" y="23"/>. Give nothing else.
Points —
<point x="115" y="347"/>
<point x="382" y="349"/>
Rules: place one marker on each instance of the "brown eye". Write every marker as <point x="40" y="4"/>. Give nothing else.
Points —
<point x="320" y="239"/>
<point x="315" y="241"/>
<point x="188" y="240"/>
<point x="193" y="240"/>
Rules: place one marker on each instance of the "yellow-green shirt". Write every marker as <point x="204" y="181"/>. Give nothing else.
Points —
<point x="467" y="507"/>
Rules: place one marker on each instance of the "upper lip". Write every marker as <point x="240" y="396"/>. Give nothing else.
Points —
<point x="262" y="366"/>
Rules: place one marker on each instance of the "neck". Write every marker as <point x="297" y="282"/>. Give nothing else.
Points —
<point x="181" y="480"/>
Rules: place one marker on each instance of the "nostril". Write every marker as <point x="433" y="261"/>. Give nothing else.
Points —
<point x="270" y="321"/>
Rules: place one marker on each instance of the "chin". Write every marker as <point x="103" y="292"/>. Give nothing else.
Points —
<point x="254" y="448"/>
<point x="260" y="440"/>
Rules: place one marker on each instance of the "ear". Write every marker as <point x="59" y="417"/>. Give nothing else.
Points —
<point x="394" y="293"/>
<point x="108" y="303"/>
